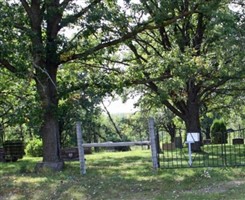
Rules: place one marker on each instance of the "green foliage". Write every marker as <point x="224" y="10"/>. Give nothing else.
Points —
<point x="34" y="148"/>
<point x="198" y="59"/>
<point x="19" y="113"/>
<point x="14" y="42"/>
<point x="84" y="82"/>
<point x="218" y="132"/>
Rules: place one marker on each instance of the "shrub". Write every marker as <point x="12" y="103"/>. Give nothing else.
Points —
<point x="120" y="148"/>
<point x="218" y="132"/>
<point x="35" y="148"/>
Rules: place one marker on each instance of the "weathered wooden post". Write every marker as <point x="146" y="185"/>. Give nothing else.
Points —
<point x="80" y="148"/>
<point x="153" y="144"/>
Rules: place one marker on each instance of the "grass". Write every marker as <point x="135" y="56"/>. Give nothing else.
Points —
<point x="119" y="175"/>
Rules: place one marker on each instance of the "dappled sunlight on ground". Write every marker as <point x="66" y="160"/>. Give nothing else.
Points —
<point x="119" y="175"/>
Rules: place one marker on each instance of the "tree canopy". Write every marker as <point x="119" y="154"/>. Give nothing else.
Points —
<point x="189" y="64"/>
<point x="65" y="56"/>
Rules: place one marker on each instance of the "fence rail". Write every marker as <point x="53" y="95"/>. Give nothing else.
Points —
<point x="116" y="144"/>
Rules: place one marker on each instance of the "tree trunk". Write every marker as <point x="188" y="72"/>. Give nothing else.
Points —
<point x="193" y="126"/>
<point x="50" y="135"/>
<point x="46" y="87"/>
<point x="96" y="140"/>
<point x="191" y="116"/>
<point x="1" y="134"/>
<point x="171" y="129"/>
<point x="45" y="63"/>
<point x="192" y="121"/>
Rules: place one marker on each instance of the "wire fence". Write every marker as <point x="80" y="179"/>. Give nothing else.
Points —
<point x="230" y="151"/>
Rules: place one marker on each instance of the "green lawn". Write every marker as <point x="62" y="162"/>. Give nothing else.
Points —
<point x="119" y="175"/>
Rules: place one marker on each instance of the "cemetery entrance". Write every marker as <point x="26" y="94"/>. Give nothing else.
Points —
<point x="178" y="152"/>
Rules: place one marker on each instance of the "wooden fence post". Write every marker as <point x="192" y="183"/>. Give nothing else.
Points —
<point x="80" y="148"/>
<point x="153" y="143"/>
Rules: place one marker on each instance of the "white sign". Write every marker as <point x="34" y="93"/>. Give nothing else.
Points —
<point x="193" y="137"/>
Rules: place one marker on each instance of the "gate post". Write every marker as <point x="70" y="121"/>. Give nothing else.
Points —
<point x="153" y="144"/>
<point x="80" y="148"/>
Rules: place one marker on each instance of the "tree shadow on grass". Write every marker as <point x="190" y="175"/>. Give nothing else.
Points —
<point x="26" y="165"/>
<point x="129" y="177"/>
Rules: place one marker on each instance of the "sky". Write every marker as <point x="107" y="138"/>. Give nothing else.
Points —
<point x="118" y="106"/>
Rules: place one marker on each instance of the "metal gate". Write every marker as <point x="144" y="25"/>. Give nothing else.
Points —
<point x="231" y="152"/>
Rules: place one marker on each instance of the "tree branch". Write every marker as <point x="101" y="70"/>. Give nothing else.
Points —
<point x="150" y="84"/>
<point x="5" y="64"/>
<point x="112" y="121"/>
<point x="65" y="3"/>
<point x="145" y="43"/>
<point x="211" y="88"/>
<point x="71" y="18"/>
<point x="149" y="81"/>
<point x="26" y="7"/>
<point x="173" y="109"/>
<point x="134" y="50"/>
<point x="136" y="30"/>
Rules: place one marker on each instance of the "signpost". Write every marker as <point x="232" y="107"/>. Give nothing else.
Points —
<point x="191" y="138"/>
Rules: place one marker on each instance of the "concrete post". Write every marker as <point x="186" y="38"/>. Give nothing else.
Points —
<point x="80" y="148"/>
<point x="153" y="143"/>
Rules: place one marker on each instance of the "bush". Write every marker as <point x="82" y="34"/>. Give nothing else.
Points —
<point x="120" y="148"/>
<point x="35" y="148"/>
<point x="218" y="132"/>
